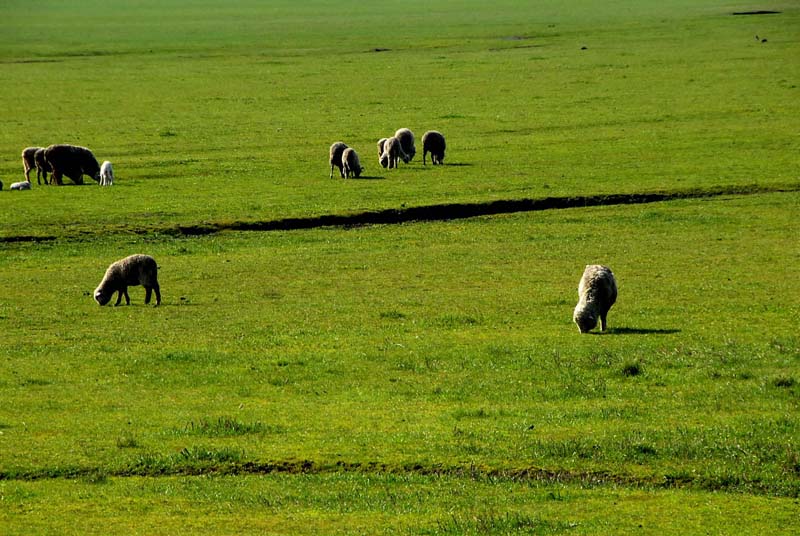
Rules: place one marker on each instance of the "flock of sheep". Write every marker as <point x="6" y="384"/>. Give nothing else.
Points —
<point x="597" y="289"/>
<point x="61" y="161"/>
<point x="390" y="151"/>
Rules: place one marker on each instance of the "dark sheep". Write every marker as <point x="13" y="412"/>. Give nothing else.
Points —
<point x="73" y="162"/>
<point x="42" y="167"/>
<point x="433" y="142"/>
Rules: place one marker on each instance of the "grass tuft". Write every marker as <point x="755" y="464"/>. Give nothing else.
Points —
<point x="491" y="523"/>
<point x="632" y="368"/>
<point x="226" y="427"/>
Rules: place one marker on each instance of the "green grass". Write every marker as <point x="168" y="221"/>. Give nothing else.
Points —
<point x="673" y="96"/>
<point x="421" y="377"/>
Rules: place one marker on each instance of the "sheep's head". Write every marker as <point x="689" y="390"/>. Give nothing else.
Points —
<point x="384" y="161"/>
<point x="102" y="297"/>
<point x="585" y="319"/>
<point x="406" y="159"/>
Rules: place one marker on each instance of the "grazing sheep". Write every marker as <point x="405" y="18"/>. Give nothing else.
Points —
<point x="106" y="174"/>
<point x="28" y="161"/>
<point x="336" y="157"/>
<point x="597" y="292"/>
<point x="130" y="271"/>
<point x="351" y="164"/>
<point x="392" y="153"/>
<point x="433" y="142"/>
<point x="42" y="167"/>
<point x="71" y="161"/>
<point x="24" y="185"/>
<point x="380" y="147"/>
<point x="406" y="138"/>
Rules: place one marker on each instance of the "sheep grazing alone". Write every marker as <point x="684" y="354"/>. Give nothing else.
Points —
<point x="24" y="185"/>
<point x="433" y="142"/>
<point x="336" y="157"/>
<point x="406" y="138"/>
<point x="42" y="167"/>
<point x="130" y="271"/>
<point x="73" y="162"/>
<point x="350" y="163"/>
<point x="392" y="153"/>
<point x="597" y="292"/>
<point x="106" y="174"/>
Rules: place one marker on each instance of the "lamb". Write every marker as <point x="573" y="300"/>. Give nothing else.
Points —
<point x="130" y="271"/>
<point x="433" y="142"/>
<point x="42" y="167"/>
<point x="106" y="174"/>
<point x="24" y="185"/>
<point x="392" y="153"/>
<point x="71" y="161"/>
<point x="350" y="163"/>
<point x="406" y="138"/>
<point x="597" y="292"/>
<point x="336" y="157"/>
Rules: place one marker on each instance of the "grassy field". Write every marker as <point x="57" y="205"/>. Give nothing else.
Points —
<point x="423" y="377"/>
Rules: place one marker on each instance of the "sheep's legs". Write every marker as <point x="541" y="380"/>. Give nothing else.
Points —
<point x="148" y="292"/>
<point x="56" y="177"/>
<point x="602" y="322"/>
<point x="123" y="292"/>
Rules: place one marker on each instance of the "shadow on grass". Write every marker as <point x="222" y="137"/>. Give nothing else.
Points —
<point x="640" y="331"/>
<point x="366" y="178"/>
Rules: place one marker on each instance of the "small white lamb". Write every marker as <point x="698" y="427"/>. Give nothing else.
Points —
<point x="597" y="292"/>
<point x="24" y="185"/>
<point x="106" y="174"/>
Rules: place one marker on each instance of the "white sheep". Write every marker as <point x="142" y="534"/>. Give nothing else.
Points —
<point x="24" y="185"/>
<point x="336" y="157"/>
<point x="406" y="138"/>
<point x="351" y="164"/>
<point x="392" y="153"/>
<point x="106" y="174"/>
<point x="433" y="142"/>
<point x="130" y="271"/>
<point x="597" y="292"/>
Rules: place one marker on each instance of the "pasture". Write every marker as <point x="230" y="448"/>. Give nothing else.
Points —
<point x="419" y="377"/>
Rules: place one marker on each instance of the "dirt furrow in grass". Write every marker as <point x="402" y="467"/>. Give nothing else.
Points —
<point x="164" y="468"/>
<point x="437" y="212"/>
